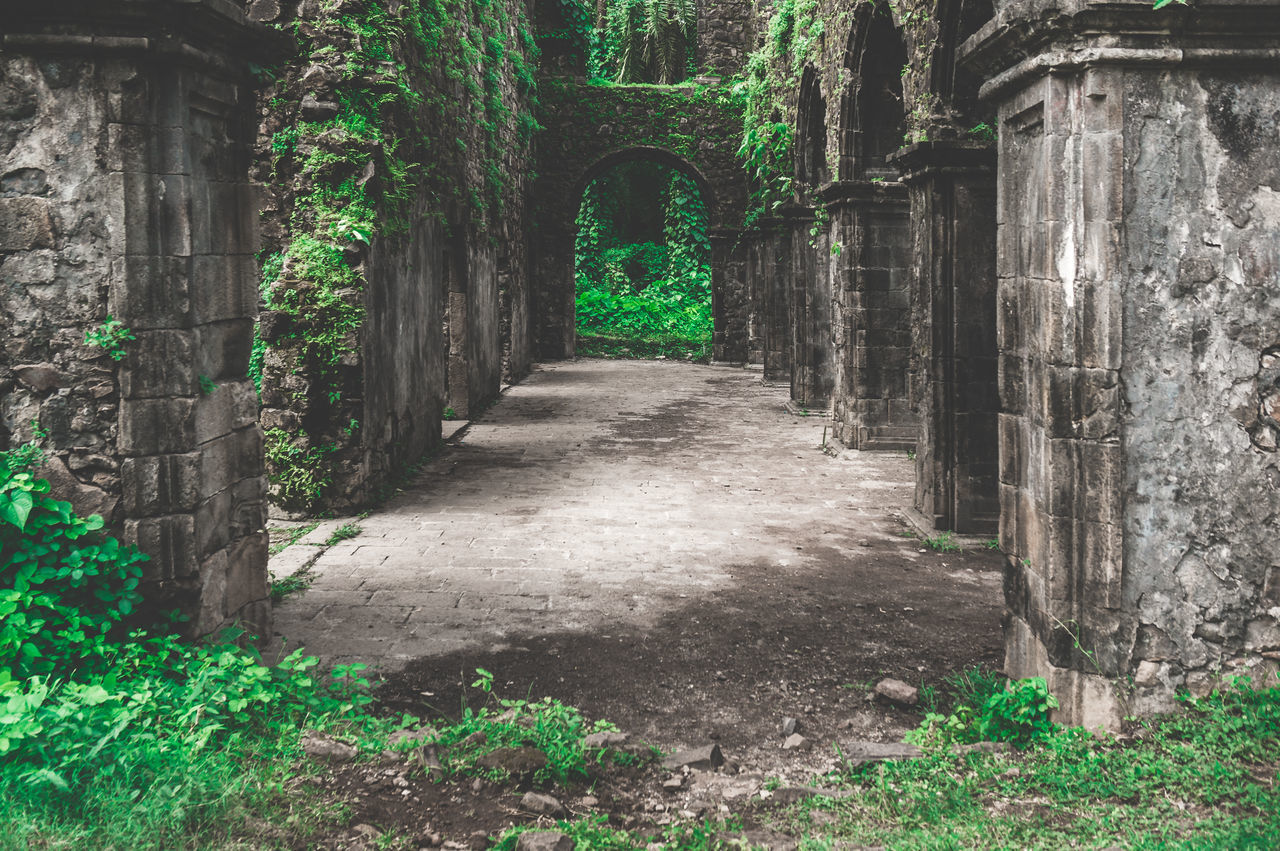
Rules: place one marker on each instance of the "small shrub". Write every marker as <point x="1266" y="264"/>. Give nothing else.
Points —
<point x="944" y="543"/>
<point x="65" y="586"/>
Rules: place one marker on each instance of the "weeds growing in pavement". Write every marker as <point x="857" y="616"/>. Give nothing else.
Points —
<point x="344" y="532"/>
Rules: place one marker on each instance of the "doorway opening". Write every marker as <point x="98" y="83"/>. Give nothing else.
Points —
<point x="642" y="265"/>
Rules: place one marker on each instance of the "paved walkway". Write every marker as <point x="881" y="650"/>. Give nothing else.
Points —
<point x="598" y="493"/>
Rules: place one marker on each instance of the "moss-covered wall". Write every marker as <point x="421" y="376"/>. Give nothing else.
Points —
<point x="394" y="150"/>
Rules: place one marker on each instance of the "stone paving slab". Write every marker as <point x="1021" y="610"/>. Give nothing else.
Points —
<point x="595" y="493"/>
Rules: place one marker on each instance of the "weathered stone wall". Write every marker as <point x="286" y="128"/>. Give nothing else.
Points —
<point x="589" y="129"/>
<point x="1140" y="491"/>
<point x="726" y="34"/>
<point x="443" y="288"/>
<point x="124" y="145"/>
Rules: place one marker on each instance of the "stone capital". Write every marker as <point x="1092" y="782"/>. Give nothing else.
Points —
<point x="921" y="160"/>
<point x="1030" y="38"/>
<point x="192" y="32"/>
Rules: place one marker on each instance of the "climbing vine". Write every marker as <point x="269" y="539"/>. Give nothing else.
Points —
<point x="773" y="71"/>
<point x="392" y="112"/>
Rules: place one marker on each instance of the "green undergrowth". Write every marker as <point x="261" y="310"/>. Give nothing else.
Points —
<point x="1201" y="778"/>
<point x="643" y="259"/>
<point x="1205" y="777"/>
<point x="118" y="735"/>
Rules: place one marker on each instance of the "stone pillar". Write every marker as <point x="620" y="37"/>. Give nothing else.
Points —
<point x="125" y="135"/>
<point x="774" y="246"/>
<point x="808" y="287"/>
<point x="730" y="301"/>
<point x="871" y="260"/>
<point x="1139" y="336"/>
<point x="953" y="301"/>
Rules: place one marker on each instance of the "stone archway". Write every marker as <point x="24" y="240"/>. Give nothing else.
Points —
<point x="870" y="214"/>
<point x="589" y="129"/>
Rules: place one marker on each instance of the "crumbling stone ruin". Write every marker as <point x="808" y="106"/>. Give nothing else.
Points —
<point x="1036" y="242"/>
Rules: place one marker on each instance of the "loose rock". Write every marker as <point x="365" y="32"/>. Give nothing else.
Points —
<point x="541" y="804"/>
<point x="548" y="840"/>
<point x="319" y="746"/>
<point x="520" y="763"/>
<point x="796" y="742"/>
<point x="789" y="726"/>
<point x="704" y="758"/>
<point x="606" y="739"/>
<point x="859" y="753"/>
<point x="896" y="691"/>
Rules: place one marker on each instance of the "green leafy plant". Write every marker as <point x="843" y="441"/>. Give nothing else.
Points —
<point x="642" y="295"/>
<point x="65" y="585"/>
<point x="546" y="724"/>
<point x="943" y="543"/>
<point x="110" y="336"/>
<point x="650" y="41"/>
<point x="207" y="386"/>
<point x="344" y="532"/>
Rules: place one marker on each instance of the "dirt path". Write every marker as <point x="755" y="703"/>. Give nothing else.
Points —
<point x="662" y="545"/>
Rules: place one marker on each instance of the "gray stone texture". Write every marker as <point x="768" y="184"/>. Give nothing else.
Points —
<point x="123" y="151"/>
<point x="1138" y="289"/>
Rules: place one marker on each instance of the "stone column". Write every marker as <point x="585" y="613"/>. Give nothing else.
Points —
<point x="808" y="284"/>
<point x="870" y="256"/>
<point x="775" y="253"/>
<point x="730" y="300"/>
<point x="953" y="282"/>
<point x="125" y="135"/>
<point x="1139" y="336"/>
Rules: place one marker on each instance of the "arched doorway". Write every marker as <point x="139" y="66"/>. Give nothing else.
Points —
<point x="642" y="264"/>
<point x="640" y="250"/>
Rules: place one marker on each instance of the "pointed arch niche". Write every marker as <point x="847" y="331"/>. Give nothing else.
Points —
<point x="871" y="225"/>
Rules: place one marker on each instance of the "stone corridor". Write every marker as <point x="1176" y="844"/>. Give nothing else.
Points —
<point x="658" y="500"/>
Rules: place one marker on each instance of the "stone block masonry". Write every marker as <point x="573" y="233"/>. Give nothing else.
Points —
<point x="1139" y="302"/>
<point x="125" y="132"/>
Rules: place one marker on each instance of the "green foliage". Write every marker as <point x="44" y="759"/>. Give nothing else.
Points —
<point x="984" y="132"/>
<point x="285" y="538"/>
<point x="772" y="73"/>
<point x="943" y="543"/>
<point x="300" y="474"/>
<point x="345" y="532"/>
<point x="546" y="724"/>
<point x="65" y="586"/>
<point x="1017" y="713"/>
<point x="644" y="290"/>
<point x="110" y="739"/>
<point x="595" y="833"/>
<point x="647" y="41"/>
<point x="110" y="336"/>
